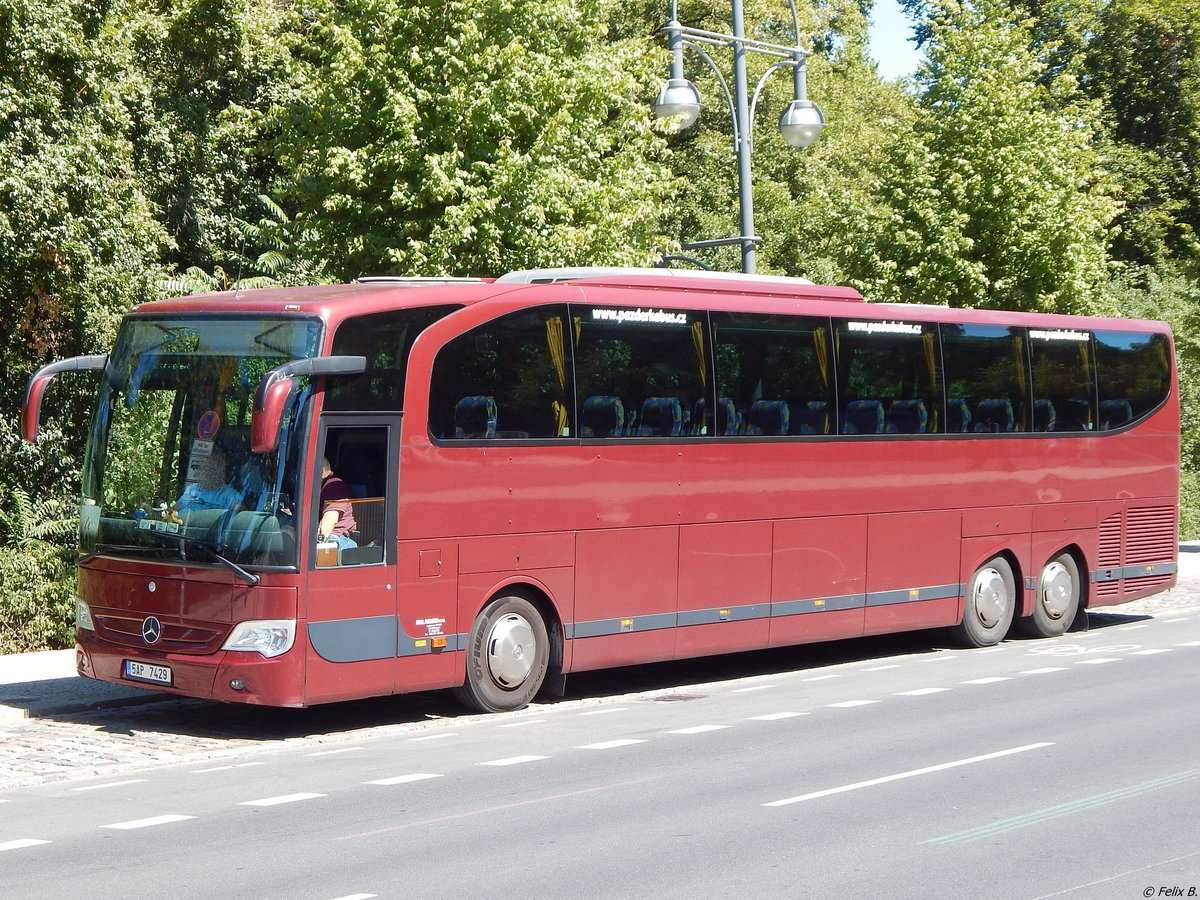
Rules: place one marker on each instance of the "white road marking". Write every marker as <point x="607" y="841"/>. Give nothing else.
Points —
<point x="20" y="844"/>
<point x="747" y="690"/>
<point x="404" y="779"/>
<point x="602" y="712"/>
<point x="1044" y="671"/>
<point x="824" y="677"/>
<point x="148" y="823"/>
<point x="611" y="745"/>
<point x="1189" y="644"/>
<point x="1097" y="661"/>
<point x="881" y="668"/>
<point x="991" y="679"/>
<point x="225" y="768"/>
<point x="912" y="773"/>
<point x="848" y="704"/>
<point x="433" y="737"/>
<point x="111" y="784"/>
<point x="772" y="717"/>
<point x="513" y="760"/>
<point x="697" y="729"/>
<point x="282" y="798"/>
<point x="356" y="897"/>
<point x="334" y="752"/>
<point x="1153" y="651"/>
<point x="987" y="650"/>
<point x="921" y="692"/>
<point x="941" y="657"/>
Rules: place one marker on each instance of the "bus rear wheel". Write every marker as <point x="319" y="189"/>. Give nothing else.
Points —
<point x="990" y="604"/>
<point x="1057" y="600"/>
<point x="507" y="655"/>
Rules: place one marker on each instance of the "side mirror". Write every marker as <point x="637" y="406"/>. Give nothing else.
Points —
<point x="31" y="410"/>
<point x="275" y="389"/>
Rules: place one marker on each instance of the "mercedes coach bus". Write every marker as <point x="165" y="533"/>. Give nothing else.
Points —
<point x="559" y="470"/>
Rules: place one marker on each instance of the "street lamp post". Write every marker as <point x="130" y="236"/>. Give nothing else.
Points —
<point x="679" y="101"/>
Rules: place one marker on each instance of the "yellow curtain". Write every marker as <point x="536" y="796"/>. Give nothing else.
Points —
<point x="558" y="357"/>
<point x="929" y="344"/>
<point x="821" y="346"/>
<point x="701" y="353"/>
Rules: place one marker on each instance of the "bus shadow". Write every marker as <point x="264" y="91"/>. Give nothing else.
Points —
<point x="205" y="719"/>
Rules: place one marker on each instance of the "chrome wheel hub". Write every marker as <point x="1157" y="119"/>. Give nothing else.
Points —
<point x="991" y="597"/>
<point x="511" y="649"/>
<point x="1056" y="590"/>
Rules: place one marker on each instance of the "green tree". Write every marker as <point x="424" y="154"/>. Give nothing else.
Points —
<point x="79" y="243"/>
<point x="471" y="137"/>
<point x="1005" y="202"/>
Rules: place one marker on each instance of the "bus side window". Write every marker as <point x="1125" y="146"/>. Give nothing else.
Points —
<point x="509" y="378"/>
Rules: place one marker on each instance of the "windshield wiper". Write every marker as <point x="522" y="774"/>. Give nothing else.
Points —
<point x="249" y="577"/>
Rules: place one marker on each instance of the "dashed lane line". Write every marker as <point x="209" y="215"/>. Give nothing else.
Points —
<point x="697" y="729"/>
<point x="612" y="745"/>
<point x="513" y="760"/>
<point x="1189" y="644"/>
<point x="244" y="765"/>
<point x="150" y="822"/>
<point x="1045" y="670"/>
<point x="912" y="773"/>
<point x="405" y="779"/>
<point x="281" y="799"/>
<point x="1151" y="651"/>
<point x="774" y="717"/>
<point x="21" y="844"/>
<point x="603" y="712"/>
<point x="849" y="704"/>
<point x="990" y="679"/>
<point x="433" y="737"/>
<point x="1099" y="660"/>
<point x="336" y="752"/>
<point x="757" y="687"/>
<point x="921" y="692"/>
<point x="109" y="784"/>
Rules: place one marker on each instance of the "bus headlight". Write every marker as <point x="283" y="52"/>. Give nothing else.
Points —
<point x="270" y="637"/>
<point x="83" y="616"/>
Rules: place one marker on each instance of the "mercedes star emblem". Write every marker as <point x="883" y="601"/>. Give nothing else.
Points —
<point x="151" y="630"/>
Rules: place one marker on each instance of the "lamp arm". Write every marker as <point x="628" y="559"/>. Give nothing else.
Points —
<point x="724" y="87"/>
<point x="762" y="82"/>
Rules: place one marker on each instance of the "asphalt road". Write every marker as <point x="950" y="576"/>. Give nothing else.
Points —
<point x="1036" y="769"/>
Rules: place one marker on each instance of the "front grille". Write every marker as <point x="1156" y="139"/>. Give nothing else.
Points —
<point x="176" y="637"/>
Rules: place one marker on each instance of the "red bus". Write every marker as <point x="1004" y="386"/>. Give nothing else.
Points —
<point x="559" y="471"/>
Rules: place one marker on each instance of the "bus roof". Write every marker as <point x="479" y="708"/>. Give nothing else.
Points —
<point x="674" y="287"/>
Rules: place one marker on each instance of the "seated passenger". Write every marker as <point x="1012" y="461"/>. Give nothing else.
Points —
<point x="337" y="512"/>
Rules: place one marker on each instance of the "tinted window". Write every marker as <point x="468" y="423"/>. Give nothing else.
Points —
<point x="1063" y="388"/>
<point x="1133" y="372"/>
<point x="385" y="340"/>
<point x="773" y="375"/>
<point x="641" y="372"/>
<point x="508" y="378"/>
<point x="986" y="379"/>
<point x="888" y="378"/>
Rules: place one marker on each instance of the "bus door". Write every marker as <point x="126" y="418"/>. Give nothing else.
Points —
<point x="351" y="558"/>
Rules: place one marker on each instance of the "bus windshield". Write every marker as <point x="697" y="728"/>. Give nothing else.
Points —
<point x="169" y="473"/>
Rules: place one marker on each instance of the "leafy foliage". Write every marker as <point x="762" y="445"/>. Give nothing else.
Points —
<point x="37" y="598"/>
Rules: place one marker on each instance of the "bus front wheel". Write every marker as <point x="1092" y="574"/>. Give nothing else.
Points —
<point x="990" y="604"/>
<point x="1057" y="600"/>
<point x="507" y="655"/>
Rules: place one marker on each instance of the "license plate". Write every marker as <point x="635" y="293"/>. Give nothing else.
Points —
<point x="140" y="671"/>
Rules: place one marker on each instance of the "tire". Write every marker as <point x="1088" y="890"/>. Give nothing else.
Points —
<point x="508" y="651"/>
<point x="1057" y="600"/>
<point x="989" y="606"/>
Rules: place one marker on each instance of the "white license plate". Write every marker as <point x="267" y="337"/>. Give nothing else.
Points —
<point x="140" y="671"/>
